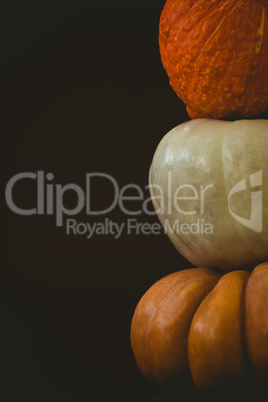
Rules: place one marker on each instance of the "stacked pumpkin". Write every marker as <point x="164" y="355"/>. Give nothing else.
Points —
<point x="208" y="181"/>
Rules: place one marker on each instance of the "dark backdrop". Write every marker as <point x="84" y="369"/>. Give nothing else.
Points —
<point x="82" y="90"/>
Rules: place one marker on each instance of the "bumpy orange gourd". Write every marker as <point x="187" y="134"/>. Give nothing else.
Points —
<point x="200" y="325"/>
<point x="215" y="53"/>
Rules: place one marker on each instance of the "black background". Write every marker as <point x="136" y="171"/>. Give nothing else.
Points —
<point x="82" y="90"/>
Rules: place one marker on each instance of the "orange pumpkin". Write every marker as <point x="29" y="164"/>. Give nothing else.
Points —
<point x="216" y="55"/>
<point x="200" y="325"/>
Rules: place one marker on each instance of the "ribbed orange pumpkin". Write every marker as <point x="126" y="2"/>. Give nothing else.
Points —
<point x="199" y="324"/>
<point x="215" y="53"/>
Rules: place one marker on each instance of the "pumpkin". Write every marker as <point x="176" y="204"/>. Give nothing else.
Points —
<point x="216" y="55"/>
<point x="203" y="326"/>
<point x="209" y="186"/>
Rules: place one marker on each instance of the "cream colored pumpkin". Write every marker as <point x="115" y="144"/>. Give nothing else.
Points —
<point x="209" y="186"/>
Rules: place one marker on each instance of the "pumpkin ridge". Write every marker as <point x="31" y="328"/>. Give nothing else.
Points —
<point x="216" y="30"/>
<point x="150" y="369"/>
<point x="223" y="377"/>
<point x="165" y="218"/>
<point x="178" y="287"/>
<point x="175" y="290"/>
<point x="164" y="301"/>
<point x="261" y="32"/>
<point x="256" y="329"/>
<point x="244" y="328"/>
<point x="182" y="244"/>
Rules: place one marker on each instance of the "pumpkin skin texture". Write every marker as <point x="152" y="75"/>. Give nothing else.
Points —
<point x="161" y="324"/>
<point x="216" y="55"/>
<point x="257" y="320"/>
<point x="211" y="175"/>
<point x="182" y="331"/>
<point x="216" y="334"/>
